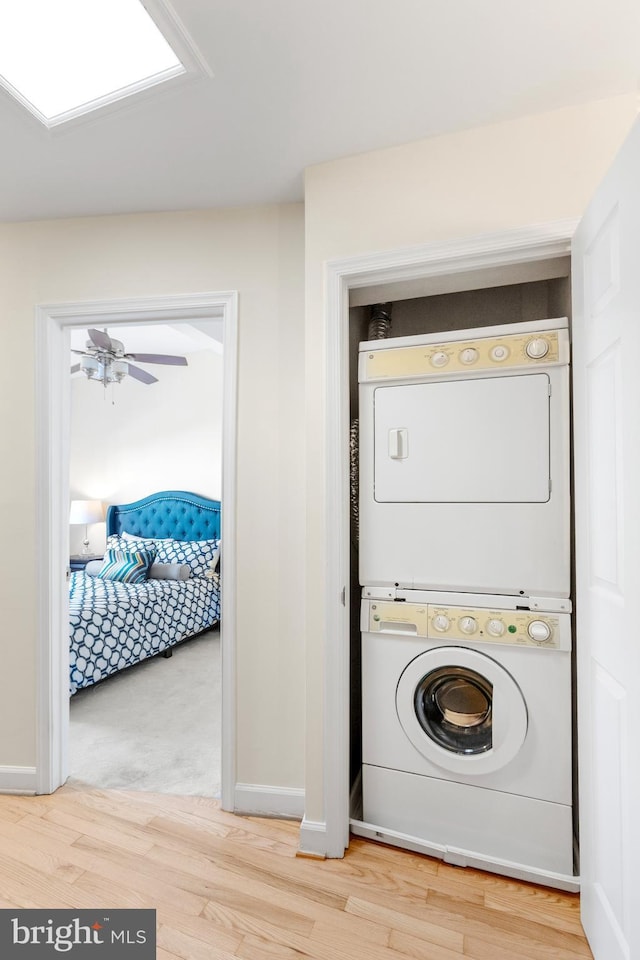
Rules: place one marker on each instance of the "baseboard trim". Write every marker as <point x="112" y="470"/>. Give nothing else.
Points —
<point x="264" y="801"/>
<point x="18" y="780"/>
<point x="313" y="838"/>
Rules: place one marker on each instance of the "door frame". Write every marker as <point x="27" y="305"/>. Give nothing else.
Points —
<point x="506" y="249"/>
<point x="53" y="323"/>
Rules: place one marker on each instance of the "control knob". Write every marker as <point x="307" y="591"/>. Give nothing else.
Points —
<point x="537" y="348"/>
<point x="469" y="355"/>
<point x="495" y="628"/>
<point x="499" y="352"/>
<point x="468" y="624"/>
<point x="539" y="631"/>
<point x="441" y="622"/>
<point x="439" y="358"/>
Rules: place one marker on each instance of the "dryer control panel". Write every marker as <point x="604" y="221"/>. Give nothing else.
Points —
<point x="537" y="348"/>
<point x="471" y="624"/>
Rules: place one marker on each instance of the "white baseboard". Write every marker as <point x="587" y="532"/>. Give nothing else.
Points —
<point x="313" y="837"/>
<point x="18" y="780"/>
<point x="265" y="801"/>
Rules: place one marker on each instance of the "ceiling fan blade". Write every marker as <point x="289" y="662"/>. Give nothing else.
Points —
<point x="157" y="358"/>
<point x="76" y="367"/>
<point x="138" y="374"/>
<point x="101" y="339"/>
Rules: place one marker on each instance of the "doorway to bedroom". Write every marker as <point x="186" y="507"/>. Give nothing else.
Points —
<point x="164" y="724"/>
<point x="145" y="665"/>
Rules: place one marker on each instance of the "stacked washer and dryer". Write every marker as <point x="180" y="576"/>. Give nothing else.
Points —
<point x="464" y="557"/>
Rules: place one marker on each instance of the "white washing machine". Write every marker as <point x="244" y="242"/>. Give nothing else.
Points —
<point x="464" y="461"/>
<point x="467" y="750"/>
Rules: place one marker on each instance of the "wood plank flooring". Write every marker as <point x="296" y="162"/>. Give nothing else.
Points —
<point x="226" y="886"/>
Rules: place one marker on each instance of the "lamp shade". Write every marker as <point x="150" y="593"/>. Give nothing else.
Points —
<point x="86" y="511"/>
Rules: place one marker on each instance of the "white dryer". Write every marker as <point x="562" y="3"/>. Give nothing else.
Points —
<point x="464" y="461"/>
<point x="467" y="750"/>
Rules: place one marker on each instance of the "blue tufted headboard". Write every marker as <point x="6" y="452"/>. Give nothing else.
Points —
<point x="170" y="513"/>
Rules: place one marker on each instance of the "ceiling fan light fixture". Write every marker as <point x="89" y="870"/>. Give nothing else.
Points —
<point x="92" y="368"/>
<point x="105" y="360"/>
<point x="117" y="370"/>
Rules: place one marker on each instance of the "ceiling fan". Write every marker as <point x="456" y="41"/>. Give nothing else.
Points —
<point x="105" y="359"/>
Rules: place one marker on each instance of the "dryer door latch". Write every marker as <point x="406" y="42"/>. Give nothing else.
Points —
<point x="398" y="443"/>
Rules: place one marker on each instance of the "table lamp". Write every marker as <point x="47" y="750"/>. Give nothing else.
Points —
<point x="86" y="512"/>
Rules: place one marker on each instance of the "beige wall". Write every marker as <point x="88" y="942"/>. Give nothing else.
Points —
<point x="259" y="252"/>
<point x="492" y="178"/>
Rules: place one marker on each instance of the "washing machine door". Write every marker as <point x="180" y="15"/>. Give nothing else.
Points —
<point x="461" y="710"/>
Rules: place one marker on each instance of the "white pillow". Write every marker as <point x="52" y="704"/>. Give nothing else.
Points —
<point x="213" y="563"/>
<point x="132" y="536"/>
<point x="169" y="571"/>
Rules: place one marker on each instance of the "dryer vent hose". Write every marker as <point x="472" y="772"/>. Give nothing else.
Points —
<point x="380" y="321"/>
<point x="353" y="477"/>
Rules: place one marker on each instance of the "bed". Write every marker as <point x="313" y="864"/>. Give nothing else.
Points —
<point x="169" y="592"/>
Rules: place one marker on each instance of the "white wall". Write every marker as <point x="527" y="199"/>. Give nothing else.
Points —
<point x="508" y="175"/>
<point x="259" y="252"/>
<point x="133" y="439"/>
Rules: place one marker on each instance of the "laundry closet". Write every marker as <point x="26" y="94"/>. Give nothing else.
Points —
<point x="462" y="716"/>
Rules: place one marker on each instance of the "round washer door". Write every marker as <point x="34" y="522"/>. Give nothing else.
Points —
<point x="461" y="710"/>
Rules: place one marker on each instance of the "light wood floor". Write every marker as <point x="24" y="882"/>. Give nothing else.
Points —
<point x="226" y="886"/>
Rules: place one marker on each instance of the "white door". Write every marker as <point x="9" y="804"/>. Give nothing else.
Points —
<point x="606" y="293"/>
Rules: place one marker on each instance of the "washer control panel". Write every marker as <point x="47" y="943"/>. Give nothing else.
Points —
<point x="515" y="627"/>
<point x="519" y="627"/>
<point x="460" y="356"/>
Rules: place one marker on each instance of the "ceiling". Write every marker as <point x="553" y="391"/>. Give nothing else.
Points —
<point x="296" y="83"/>
<point x="179" y="338"/>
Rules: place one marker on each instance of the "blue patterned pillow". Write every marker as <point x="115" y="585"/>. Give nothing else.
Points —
<point x="127" y="566"/>
<point x="198" y="554"/>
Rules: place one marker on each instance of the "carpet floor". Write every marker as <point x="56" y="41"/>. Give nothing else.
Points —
<point x="155" y="726"/>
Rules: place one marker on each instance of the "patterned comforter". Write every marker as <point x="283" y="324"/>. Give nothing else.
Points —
<point x="113" y="625"/>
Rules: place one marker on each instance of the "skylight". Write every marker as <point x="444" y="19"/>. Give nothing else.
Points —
<point x="62" y="58"/>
